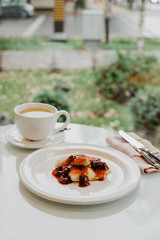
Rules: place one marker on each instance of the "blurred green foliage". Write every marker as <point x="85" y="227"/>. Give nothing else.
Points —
<point x="126" y="43"/>
<point x="121" y="80"/>
<point x="145" y="107"/>
<point x="55" y="98"/>
<point x="45" y="43"/>
<point x="86" y="105"/>
<point x="38" y="43"/>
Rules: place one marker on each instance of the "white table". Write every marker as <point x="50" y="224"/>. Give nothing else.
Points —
<point x="25" y="216"/>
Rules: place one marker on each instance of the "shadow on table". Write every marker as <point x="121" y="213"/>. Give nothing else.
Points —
<point x="20" y="152"/>
<point x="77" y="211"/>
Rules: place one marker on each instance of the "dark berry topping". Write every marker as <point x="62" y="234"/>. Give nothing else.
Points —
<point x="58" y="172"/>
<point x="71" y="159"/>
<point x="66" y="170"/>
<point x="83" y="181"/>
<point x="64" y="179"/>
<point x="98" y="165"/>
<point x="80" y="167"/>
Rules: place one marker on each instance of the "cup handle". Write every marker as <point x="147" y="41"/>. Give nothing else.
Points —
<point x="65" y="124"/>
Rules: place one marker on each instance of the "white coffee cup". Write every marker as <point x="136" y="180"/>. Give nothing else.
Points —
<point x="36" y="121"/>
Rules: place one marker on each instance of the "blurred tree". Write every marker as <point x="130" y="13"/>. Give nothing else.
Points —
<point x="140" y="42"/>
<point x="130" y="3"/>
<point x="107" y="9"/>
<point x="80" y="4"/>
<point x="15" y="1"/>
<point x="0" y="60"/>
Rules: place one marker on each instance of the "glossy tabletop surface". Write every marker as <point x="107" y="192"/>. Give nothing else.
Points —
<point x="25" y="216"/>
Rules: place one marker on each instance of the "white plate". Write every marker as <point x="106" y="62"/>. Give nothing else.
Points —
<point x="14" y="137"/>
<point x="35" y="173"/>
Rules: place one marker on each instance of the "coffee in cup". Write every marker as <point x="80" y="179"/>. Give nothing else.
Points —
<point x="36" y="121"/>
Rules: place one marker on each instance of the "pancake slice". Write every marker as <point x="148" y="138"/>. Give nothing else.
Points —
<point x="78" y="159"/>
<point x="81" y="168"/>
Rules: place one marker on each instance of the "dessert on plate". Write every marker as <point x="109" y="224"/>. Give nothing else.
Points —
<point x="80" y="168"/>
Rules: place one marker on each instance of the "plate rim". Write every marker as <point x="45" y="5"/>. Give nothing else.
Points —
<point x="75" y="201"/>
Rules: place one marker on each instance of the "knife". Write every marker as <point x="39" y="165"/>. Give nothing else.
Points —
<point x="139" y="147"/>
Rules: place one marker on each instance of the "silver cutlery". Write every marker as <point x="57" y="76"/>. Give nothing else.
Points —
<point x="141" y="149"/>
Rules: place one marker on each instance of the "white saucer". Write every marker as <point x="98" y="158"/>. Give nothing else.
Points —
<point x="14" y="137"/>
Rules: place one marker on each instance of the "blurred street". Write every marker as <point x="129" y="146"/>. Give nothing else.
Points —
<point x="131" y="18"/>
<point x="123" y="22"/>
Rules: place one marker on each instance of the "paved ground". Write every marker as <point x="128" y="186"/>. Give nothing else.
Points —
<point x="57" y="59"/>
<point x="122" y="23"/>
<point x="151" y="20"/>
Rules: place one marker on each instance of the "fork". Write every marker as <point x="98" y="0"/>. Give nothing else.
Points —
<point x="141" y="152"/>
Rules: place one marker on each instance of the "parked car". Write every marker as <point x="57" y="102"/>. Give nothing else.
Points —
<point x="155" y="1"/>
<point x="16" y="9"/>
